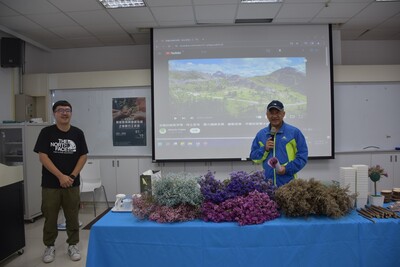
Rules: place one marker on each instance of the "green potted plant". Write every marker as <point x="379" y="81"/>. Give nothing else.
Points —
<point x="375" y="173"/>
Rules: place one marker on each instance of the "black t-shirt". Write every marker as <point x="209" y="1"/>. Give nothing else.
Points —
<point x="64" y="149"/>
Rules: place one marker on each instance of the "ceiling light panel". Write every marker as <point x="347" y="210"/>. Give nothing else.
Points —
<point x="122" y="3"/>
<point x="259" y="1"/>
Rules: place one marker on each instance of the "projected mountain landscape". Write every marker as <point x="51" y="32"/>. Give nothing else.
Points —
<point x="236" y="87"/>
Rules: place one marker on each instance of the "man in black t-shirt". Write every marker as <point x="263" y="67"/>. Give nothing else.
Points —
<point x="63" y="152"/>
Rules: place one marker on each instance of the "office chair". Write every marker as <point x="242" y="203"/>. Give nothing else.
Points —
<point x="91" y="180"/>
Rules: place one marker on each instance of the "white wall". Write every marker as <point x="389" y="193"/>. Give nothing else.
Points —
<point x="88" y="59"/>
<point x="370" y="52"/>
<point x="36" y="60"/>
<point x="5" y="94"/>
<point x="8" y="87"/>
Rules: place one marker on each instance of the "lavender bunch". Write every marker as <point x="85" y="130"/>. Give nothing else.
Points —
<point x="240" y="184"/>
<point x="212" y="189"/>
<point x="255" y="208"/>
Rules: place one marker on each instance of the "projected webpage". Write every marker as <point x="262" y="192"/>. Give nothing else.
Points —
<point x="211" y="87"/>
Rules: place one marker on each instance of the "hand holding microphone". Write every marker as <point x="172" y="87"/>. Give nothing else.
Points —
<point x="273" y="133"/>
<point x="270" y="142"/>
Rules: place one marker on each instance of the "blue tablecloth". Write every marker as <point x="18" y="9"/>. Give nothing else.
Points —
<point x="120" y="239"/>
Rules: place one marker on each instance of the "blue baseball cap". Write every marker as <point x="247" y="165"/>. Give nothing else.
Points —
<point x="275" y="104"/>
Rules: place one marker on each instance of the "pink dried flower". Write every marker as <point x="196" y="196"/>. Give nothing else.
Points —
<point x="375" y="173"/>
<point x="180" y="213"/>
<point x="143" y="206"/>
<point x="377" y="169"/>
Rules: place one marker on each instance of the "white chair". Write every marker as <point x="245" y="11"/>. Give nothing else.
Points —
<point x="91" y="180"/>
<point x="61" y="224"/>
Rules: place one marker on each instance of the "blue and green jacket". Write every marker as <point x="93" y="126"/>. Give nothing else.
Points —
<point x="290" y="149"/>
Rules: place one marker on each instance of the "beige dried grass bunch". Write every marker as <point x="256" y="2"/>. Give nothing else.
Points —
<point x="311" y="197"/>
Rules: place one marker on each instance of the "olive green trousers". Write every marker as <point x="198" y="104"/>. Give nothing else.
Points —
<point x="53" y="199"/>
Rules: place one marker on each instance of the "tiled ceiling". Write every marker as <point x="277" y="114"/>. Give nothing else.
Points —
<point x="61" y="24"/>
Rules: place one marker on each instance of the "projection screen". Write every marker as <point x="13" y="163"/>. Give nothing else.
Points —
<point x="211" y="86"/>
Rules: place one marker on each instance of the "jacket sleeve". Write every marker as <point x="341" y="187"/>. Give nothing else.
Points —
<point x="301" y="157"/>
<point x="258" y="153"/>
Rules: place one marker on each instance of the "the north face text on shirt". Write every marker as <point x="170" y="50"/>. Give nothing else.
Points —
<point x="64" y="146"/>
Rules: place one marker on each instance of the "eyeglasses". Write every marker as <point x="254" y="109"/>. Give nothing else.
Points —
<point x="64" y="110"/>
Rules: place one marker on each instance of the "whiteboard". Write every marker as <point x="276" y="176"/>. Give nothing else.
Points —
<point x="92" y="112"/>
<point x="366" y="114"/>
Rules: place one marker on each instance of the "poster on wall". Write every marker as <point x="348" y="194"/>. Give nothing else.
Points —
<point x="129" y="121"/>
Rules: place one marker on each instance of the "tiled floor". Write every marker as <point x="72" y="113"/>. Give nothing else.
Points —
<point x="34" y="248"/>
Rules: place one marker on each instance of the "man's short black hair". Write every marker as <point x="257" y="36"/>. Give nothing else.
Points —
<point x="61" y="103"/>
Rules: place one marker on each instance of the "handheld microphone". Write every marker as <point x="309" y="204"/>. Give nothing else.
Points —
<point x="273" y="133"/>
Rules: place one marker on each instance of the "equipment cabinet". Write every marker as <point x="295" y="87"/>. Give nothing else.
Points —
<point x="17" y="141"/>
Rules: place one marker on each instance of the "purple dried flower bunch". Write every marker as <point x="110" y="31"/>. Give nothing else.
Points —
<point x="244" y="198"/>
<point x="240" y="184"/>
<point x="254" y="208"/>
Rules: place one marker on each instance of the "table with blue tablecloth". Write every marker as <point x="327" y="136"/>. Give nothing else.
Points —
<point x="120" y="239"/>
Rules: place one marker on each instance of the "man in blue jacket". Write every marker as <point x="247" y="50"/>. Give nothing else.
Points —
<point x="279" y="142"/>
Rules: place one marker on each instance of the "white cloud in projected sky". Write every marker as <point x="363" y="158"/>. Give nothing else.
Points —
<point x="245" y="67"/>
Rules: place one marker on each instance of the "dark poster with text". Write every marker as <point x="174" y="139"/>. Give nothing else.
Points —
<point x="129" y="121"/>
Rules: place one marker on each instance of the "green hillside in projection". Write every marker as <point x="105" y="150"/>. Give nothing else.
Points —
<point x="233" y="94"/>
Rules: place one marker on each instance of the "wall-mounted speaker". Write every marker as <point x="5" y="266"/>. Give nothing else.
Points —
<point x="11" y="52"/>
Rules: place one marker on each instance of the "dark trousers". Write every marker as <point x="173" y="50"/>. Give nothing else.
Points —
<point x="52" y="200"/>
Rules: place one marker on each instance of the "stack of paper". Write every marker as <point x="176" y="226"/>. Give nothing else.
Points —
<point x="361" y="184"/>
<point x="348" y="178"/>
